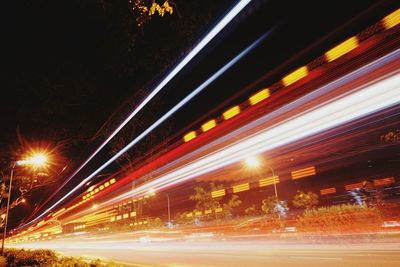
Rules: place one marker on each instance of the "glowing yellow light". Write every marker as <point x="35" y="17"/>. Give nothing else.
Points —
<point x="241" y="188"/>
<point x="392" y="19"/>
<point x="268" y="181"/>
<point x="106" y="184"/>
<point x="189" y="136"/>
<point x="232" y="112"/>
<point x="252" y="162"/>
<point x="38" y="159"/>
<point x="101" y="187"/>
<point x="94" y="206"/>
<point x="207" y="211"/>
<point x="152" y="192"/>
<point x="295" y="76"/>
<point x="341" y="49"/>
<point x="112" y="181"/>
<point x="303" y="173"/>
<point x="133" y="213"/>
<point x="218" y="210"/>
<point x="260" y="96"/>
<point x="96" y="190"/>
<point x="218" y="193"/>
<point x="208" y="125"/>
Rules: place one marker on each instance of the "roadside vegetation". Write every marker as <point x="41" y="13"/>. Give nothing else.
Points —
<point x="270" y="215"/>
<point x="45" y="257"/>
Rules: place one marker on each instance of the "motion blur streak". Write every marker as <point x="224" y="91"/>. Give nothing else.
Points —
<point x="362" y="72"/>
<point x="163" y="118"/>
<point x="361" y="102"/>
<point x="158" y="250"/>
<point x="217" y="29"/>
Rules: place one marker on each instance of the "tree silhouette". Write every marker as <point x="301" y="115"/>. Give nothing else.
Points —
<point x="305" y="200"/>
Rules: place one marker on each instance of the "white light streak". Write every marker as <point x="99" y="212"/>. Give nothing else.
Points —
<point x="203" y="43"/>
<point x="370" y="99"/>
<point x="162" y="119"/>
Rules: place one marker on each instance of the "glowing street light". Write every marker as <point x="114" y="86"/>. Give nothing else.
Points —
<point x="38" y="160"/>
<point x="152" y="192"/>
<point x="252" y="162"/>
<point x="35" y="160"/>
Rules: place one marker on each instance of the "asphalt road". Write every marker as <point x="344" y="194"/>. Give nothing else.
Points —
<point x="206" y="252"/>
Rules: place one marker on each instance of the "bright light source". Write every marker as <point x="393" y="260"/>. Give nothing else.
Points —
<point x="294" y="76"/>
<point x="152" y="192"/>
<point x="260" y="96"/>
<point x="252" y="162"/>
<point x="23" y="200"/>
<point x="94" y="206"/>
<point x="21" y="162"/>
<point x="37" y="160"/>
<point x="189" y="136"/>
<point x="208" y="125"/>
<point x="376" y="96"/>
<point x="342" y="49"/>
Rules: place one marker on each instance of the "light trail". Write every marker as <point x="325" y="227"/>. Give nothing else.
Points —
<point x="369" y="99"/>
<point x="167" y="115"/>
<point x="203" y="43"/>
<point x="362" y="72"/>
<point x="254" y="250"/>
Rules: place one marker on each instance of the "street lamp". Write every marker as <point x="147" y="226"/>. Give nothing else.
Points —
<point x="36" y="160"/>
<point x="152" y="192"/>
<point x="253" y="162"/>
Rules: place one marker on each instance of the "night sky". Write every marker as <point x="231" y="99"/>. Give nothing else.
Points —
<point x="68" y="68"/>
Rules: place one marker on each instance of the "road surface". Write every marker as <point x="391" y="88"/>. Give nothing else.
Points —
<point x="203" y="251"/>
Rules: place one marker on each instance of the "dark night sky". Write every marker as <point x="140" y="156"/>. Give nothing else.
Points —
<point x="67" y="66"/>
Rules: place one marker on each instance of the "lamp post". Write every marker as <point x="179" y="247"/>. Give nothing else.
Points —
<point x="169" y="211"/>
<point x="275" y="189"/>
<point x="36" y="160"/>
<point x="152" y="192"/>
<point x="274" y="177"/>
<point x="253" y="162"/>
<point x="8" y="208"/>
